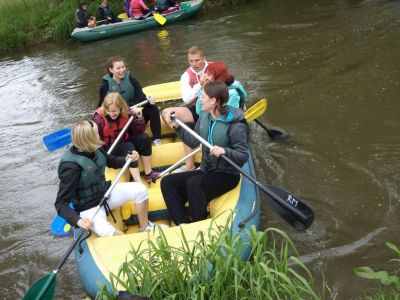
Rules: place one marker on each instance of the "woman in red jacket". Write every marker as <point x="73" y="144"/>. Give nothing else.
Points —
<point x="111" y="118"/>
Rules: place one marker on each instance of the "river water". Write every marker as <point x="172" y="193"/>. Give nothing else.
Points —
<point x="330" y="70"/>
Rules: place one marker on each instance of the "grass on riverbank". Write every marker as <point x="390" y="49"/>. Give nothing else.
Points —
<point x="26" y="23"/>
<point x="211" y="268"/>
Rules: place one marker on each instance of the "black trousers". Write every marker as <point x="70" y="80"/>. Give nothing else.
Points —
<point x="152" y="114"/>
<point x="140" y="142"/>
<point x="196" y="187"/>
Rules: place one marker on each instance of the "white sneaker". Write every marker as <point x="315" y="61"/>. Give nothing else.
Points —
<point x="152" y="227"/>
<point x="181" y="169"/>
<point x="157" y="142"/>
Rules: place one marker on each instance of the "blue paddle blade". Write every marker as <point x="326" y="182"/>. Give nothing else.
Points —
<point x="57" y="139"/>
<point x="59" y="227"/>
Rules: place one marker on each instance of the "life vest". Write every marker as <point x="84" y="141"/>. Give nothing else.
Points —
<point x="125" y="88"/>
<point x="193" y="78"/>
<point x="108" y="12"/>
<point x="136" y="8"/>
<point x="81" y="17"/>
<point x="112" y="129"/>
<point x="216" y="133"/>
<point x="92" y="183"/>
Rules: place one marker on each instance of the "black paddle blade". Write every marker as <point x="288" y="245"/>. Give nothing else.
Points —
<point x="43" y="289"/>
<point x="277" y="135"/>
<point x="301" y="216"/>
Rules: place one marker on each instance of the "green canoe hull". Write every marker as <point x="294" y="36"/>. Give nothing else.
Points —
<point x="188" y="9"/>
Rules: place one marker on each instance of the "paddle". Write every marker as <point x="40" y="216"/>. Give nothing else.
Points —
<point x="44" y="288"/>
<point x="159" y="18"/>
<point x="123" y="16"/>
<point x="62" y="137"/>
<point x="274" y="134"/>
<point x="290" y="208"/>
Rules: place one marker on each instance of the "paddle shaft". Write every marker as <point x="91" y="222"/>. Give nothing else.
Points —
<point x="166" y="171"/>
<point x="125" y="127"/>
<point x="290" y="206"/>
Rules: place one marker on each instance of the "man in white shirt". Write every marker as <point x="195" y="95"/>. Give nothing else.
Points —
<point x="191" y="80"/>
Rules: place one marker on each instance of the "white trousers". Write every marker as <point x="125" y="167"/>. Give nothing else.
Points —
<point x="122" y="193"/>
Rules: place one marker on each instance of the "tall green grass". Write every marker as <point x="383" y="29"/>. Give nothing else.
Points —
<point x="23" y="22"/>
<point x="211" y="267"/>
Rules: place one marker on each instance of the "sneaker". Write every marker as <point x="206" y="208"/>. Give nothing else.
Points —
<point x="151" y="227"/>
<point x="157" y="142"/>
<point x="152" y="176"/>
<point x="181" y="169"/>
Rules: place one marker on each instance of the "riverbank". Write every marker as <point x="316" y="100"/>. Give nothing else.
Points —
<point x="28" y="23"/>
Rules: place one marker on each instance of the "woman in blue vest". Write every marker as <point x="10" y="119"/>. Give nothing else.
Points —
<point x="82" y="181"/>
<point x="224" y="127"/>
<point x="118" y="79"/>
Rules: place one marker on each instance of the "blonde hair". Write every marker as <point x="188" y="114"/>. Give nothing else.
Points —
<point x="85" y="136"/>
<point x="196" y="50"/>
<point x="117" y="100"/>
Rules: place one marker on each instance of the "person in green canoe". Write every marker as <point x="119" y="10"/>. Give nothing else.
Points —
<point x="107" y="14"/>
<point x="164" y="6"/>
<point x="81" y="15"/>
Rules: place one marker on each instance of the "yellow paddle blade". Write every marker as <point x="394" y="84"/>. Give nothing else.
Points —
<point x="159" y="18"/>
<point x="256" y="110"/>
<point x="123" y="16"/>
<point x="164" y="91"/>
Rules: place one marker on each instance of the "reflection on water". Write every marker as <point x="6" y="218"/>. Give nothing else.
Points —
<point x="163" y="37"/>
<point x="329" y="71"/>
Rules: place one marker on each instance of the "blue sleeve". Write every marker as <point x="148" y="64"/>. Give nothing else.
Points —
<point x="199" y="110"/>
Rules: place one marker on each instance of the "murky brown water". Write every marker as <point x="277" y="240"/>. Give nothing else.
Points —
<point x="330" y="70"/>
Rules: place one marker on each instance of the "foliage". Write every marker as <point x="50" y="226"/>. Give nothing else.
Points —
<point x="27" y="22"/>
<point x="392" y="291"/>
<point x="211" y="267"/>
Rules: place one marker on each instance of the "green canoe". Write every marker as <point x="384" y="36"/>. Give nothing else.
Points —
<point x="187" y="9"/>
